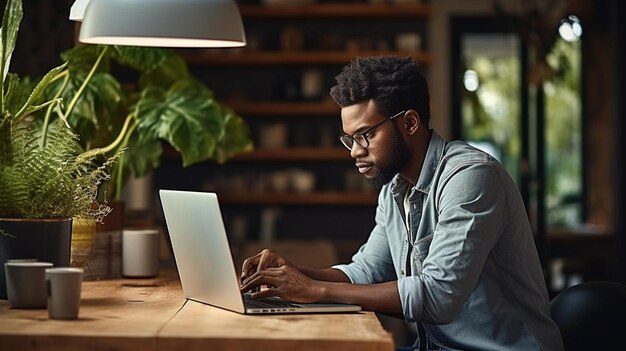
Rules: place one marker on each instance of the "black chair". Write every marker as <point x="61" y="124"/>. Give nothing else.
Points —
<point x="591" y="316"/>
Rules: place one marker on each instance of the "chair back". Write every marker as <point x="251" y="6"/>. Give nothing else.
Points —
<point x="591" y="316"/>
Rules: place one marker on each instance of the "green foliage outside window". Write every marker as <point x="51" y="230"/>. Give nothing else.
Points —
<point x="563" y="131"/>
<point x="491" y="114"/>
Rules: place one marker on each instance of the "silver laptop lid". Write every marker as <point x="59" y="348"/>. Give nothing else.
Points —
<point x="205" y="264"/>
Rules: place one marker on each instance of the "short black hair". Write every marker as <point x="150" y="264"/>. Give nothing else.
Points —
<point x="394" y="83"/>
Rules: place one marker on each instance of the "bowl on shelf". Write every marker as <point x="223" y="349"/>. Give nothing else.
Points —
<point x="302" y="181"/>
<point x="286" y="2"/>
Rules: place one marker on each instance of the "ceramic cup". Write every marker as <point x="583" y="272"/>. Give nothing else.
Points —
<point x="140" y="253"/>
<point x="411" y="42"/>
<point x="64" y="285"/>
<point x="273" y="135"/>
<point x="26" y="283"/>
<point x="302" y="181"/>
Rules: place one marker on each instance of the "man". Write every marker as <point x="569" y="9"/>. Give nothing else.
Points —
<point x="452" y="249"/>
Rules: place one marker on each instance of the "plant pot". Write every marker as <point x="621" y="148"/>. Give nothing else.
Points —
<point x="114" y="220"/>
<point x="44" y="239"/>
<point x="82" y="241"/>
<point x="105" y="261"/>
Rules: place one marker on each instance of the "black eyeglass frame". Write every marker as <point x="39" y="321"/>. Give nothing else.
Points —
<point x="351" y="139"/>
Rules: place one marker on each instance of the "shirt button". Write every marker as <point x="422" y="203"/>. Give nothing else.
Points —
<point x="402" y="272"/>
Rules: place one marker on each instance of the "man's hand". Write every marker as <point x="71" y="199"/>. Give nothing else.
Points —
<point x="262" y="260"/>
<point x="306" y="285"/>
<point x="285" y="281"/>
<point x="281" y="276"/>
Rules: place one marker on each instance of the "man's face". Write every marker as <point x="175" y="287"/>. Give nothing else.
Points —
<point x="387" y="153"/>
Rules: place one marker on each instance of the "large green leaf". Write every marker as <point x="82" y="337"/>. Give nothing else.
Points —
<point x="8" y="35"/>
<point x="38" y="92"/>
<point x="142" y="59"/>
<point x="17" y="92"/>
<point x="186" y="115"/>
<point x="97" y="104"/>
<point x="235" y="137"/>
<point x="82" y="58"/>
<point x="142" y="156"/>
<point x="169" y="71"/>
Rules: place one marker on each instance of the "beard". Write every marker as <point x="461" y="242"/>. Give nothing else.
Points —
<point x="398" y="158"/>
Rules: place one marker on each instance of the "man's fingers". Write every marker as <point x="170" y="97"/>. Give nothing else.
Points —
<point x="249" y="265"/>
<point x="264" y="293"/>
<point x="270" y="272"/>
<point x="264" y="260"/>
<point x="258" y="279"/>
<point x="253" y="281"/>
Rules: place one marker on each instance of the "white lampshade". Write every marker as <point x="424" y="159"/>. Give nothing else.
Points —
<point x="162" y="23"/>
<point x="77" y="12"/>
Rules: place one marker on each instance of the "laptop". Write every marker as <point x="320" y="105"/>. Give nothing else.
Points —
<point x="205" y="264"/>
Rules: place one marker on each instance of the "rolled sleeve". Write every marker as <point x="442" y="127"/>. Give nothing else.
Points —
<point x="411" y="292"/>
<point x="357" y="271"/>
<point x="373" y="262"/>
<point x="356" y="276"/>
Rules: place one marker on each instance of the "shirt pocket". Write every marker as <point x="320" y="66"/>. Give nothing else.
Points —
<point x="420" y="252"/>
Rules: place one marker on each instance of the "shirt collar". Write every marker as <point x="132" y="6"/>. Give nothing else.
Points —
<point x="434" y="154"/>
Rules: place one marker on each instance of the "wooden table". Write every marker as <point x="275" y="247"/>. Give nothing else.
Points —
<point x="152" y="314"/>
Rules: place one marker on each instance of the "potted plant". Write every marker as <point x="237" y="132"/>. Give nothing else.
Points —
<point x="161" y="103"/>
<point x="164" y="103"/>
<point x="45" y="180"/>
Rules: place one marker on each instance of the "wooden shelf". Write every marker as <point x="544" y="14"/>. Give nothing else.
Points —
<point x="296" y="154"/>
<point x="335" y="11"/>
<point x="320" y="198"/>
<point x="305" y="154"/>
<point x="237" y="58"/>
<point x="267" y="61"/>
<point x="280" y="108"/>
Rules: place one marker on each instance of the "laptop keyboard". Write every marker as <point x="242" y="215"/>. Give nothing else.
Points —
<point x="265" y="303"/>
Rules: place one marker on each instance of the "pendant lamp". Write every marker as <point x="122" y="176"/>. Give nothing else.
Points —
<point x="77" y="12"/>
<point x="160" y="23"/>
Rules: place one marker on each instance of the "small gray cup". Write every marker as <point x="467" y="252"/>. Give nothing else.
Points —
<point x="26" y="283"/>
<point x="64" y="285"/>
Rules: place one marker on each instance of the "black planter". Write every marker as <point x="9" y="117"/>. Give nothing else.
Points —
<point x="47" y="240"/>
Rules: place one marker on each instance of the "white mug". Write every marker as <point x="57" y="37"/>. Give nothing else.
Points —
<point x="64" y="285"/>
<point x="140" y="253"/>
<point x="26" y="283"/>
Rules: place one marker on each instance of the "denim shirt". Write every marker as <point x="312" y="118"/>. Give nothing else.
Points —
<point x="475" y="280"/>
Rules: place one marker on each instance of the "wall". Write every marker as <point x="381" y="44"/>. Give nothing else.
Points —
<point x="598" y="51"/>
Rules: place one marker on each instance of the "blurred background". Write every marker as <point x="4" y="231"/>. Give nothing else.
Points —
<point x="537" y="84"/>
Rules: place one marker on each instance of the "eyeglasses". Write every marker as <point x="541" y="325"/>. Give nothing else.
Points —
<point x="362" y="138"/>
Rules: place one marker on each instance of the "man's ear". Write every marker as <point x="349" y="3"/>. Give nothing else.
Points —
<point x="411" y="122"/>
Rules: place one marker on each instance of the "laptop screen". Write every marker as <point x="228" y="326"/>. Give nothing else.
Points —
<point x="201" y="250"/>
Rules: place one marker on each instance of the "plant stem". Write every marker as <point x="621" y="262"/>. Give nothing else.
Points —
<point x="124" y="134"/>
<point x="46" y="121"/>
<point x="120" y="137"/>
<point x="86" y="81"/>
<point x="119" y="179"/>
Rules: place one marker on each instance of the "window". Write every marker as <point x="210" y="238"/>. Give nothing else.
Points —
<point x="490" y="99"/>
<point x="493" y="111"/>
<point x="563" y="133"/>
